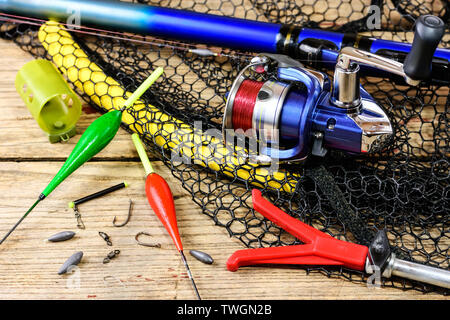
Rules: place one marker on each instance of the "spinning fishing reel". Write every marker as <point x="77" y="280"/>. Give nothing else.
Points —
<point x="297" y="111"/>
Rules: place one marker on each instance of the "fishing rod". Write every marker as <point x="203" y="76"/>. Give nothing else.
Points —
<point x="133" y="38"/>
<point x="291" y="122"/>
<point x="294" y="123"/>
<point x="313" y="47"/>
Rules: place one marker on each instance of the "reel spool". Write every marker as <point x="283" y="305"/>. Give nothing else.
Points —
<point x="267" y="110"/>
<point x="257" y="107"/>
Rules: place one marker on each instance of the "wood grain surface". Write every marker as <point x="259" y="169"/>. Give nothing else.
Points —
<point x="29" y="264"/>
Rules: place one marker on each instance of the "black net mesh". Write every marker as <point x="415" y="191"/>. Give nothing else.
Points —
<point x="404" y="188"/>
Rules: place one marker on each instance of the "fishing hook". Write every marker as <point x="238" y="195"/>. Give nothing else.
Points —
<point x="128" y="217"/>
<point x="153" y="245"/>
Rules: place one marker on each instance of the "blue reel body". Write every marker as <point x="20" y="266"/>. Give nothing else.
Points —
<point x="308" y="122"/>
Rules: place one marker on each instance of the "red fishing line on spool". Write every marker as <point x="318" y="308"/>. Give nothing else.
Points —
<point x="244" y="104"/>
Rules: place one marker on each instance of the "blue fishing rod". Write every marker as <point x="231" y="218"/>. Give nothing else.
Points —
<point x="294" y="110"/>
<point x="311" y="46"/>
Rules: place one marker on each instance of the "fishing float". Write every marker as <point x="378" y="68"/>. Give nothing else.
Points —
<point x="160" y="198"/>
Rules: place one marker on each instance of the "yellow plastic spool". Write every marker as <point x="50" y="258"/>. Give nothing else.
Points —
<point x="51" y="101"/>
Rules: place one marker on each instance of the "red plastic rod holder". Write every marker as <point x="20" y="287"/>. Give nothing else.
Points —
<point x="318" y="248"/>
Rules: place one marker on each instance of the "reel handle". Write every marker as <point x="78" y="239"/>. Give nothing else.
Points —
<point x="429" y="31"/>
<point x="417" y="65"/>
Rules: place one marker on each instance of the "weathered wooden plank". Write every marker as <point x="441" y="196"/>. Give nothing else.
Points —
<point x="29" y="264"/>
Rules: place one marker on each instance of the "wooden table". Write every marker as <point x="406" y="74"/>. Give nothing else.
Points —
<point x="29" y="264"/>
